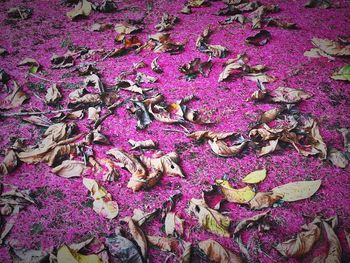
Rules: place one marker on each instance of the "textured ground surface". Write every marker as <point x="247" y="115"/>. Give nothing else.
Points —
<point x="63" y="214"/>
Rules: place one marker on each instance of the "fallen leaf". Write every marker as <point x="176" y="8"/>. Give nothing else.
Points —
<point x="269" y="115"/>
<point x="210" y="219"/>
<point x="337" y="158"/>
<point x="147" y="144"/>
<point x="346" y="137"/>
<point x="212" y="135"/>
<point x="34" y="65"/>
<point x="217" y="253"/>
<point x="342" y="74"/>
<point x="173" y="225"/>
<point x="260" y="39"/>
<point x="240" y="196"/>
<point x="264" y="200"/>
<point x="100" y="27"/>
<point x="288" y="95"/>
<point x="297" y="190"/>
<point x="155" y="67"/>
<point x="53" y="95"/>
<point x="164" y="243"/>
<point x="335" y="249"/>
<point x="107" y="6"/>
<point x="123" y="249"/>
<point x="318" y="3"/>
<point x="331" y="47"/>
<point x="9" y="163"/>
<point x="255" y="177"/>
<point x="249" y="222"/>
<point x="65" y="61"/>
<point x="64" y="254"/>
<point x="304" y="241"/>
<point x="20" y="13"/>
<point x="70" y="168"/>
<point x="235" y="18"/>
<point x="138" y="235"/>
<point x="82" y="9"/>
<point x="186" y="10"/>
<point x="167" y="22"/>
<point x="220" y="148"/>
<point x="15" y="99"/>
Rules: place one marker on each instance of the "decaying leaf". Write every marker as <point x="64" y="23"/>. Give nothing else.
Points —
<point x="210" y="219"/>
<point x="173" y="225"/>
<point x="164" y="243"/>
<point x="221" y="148"/>
<point x="255" y="177"/>
<point x="70" y="168"/>
<point x="186" y="10"/>
<point x="64" y="61"/>
<point x="297" y="190"/>
<point x="147" y="144"/>
<point x="211" y="135"/>
<point x="212" y="50"/>
<point x="167" y="164"/>
<point x="19" y="12"/>
<point x="264" y="200"/>
<point x="123" y="249"/>
<point x="99" y="27"/>
<point x="15" y="99"/>
<point x="155" y="67"/>
<point x="260" y="39"/>
<point x="337" y="158"/>
<point x="53" y="95"/>
<point x="269" y="115"/>
<point x="167" y="22"/>
<point x="342" y="74"/>
<point x="82" y="9"/>
<point x="318" y="3"/>
<point x="217" y="253"/>
<point x="327" y="47"/>
<point x="34" y="65"/>
<point x="288" y="95"/>
<point x="304" y="241"/>
<point x="103" y="203"/>
<point x="9" y="163"/>
<point x="346" y="137"/>
<point x="240" y="196"/>
<point x="138" y="235"/>
<point x="249" y="222"/>
<point x="335" y="249"/>
<point x="235" y="18"/>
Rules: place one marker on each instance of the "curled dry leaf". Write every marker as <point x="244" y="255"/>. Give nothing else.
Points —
<point x="249" y="222"/>
<point x="147" y="144"/>
<point x="19" y="13"/>
<point x="288" y="95"/>
<point x="210" y="219"/>
<point x="211" y="135"/>
<point x="99" y="27"/>
<point x="167" y="22"/>
<point x="318" y="3"/>
<point x="337" y="158"/>
<point x="235" y="18"/>
<point x="173" y="225"/>
<point x="186" y="10"/>
<point x="304" y="241"/>
<point x="269" y="115"/>
<point x="327" y="48"/>
<point x="217" y="253"/>
<point x="9" y="163"/>
<point x="53" y="95"/>
<point x="103" y="203"/>
<point x="65" y="61"/>
<point x="264" y="200"/>
<point x="82" y="9"/>
<point x="138" y="235"/>
<point x="260" y="39"/>
<point x="15" y="99"/>
<point x="346" y="137"/>
<point x="255" y="177"/>
<point x="34" y="65"/>
<point x="140" y="217"/>
<point x="42" y="121"/>
<point x="164" y="243"/>
<point x="70" y="168"/>
<point x="155" y="66"/>
<point x="335" y="250"/>
<point x="240" y="196"/>
<point x="123" y="249"/>
<point x="221" y="148"/>
<point x="297" y="190"/>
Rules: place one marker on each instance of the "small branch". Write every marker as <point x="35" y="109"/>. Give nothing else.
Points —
<point x="48" y="80"/>
<point x="29" y="113"/>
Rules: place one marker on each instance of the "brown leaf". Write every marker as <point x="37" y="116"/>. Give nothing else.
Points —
<point x="249" y="222"/>
<point x="53" y="95"/>
<point x="288" y="95"/>
<point x="211" y="135"/>
<point x="15" y="99"/>
<point x="335" y="251"/>
<point x="155" y="66"/>
<point x="264" y="200"/>
<point x="167" y="22"/>
<point x="42" y="121"/>
<point x="173" y="225"/>
<point x="331" y="47"/>
<point x="138" y="235"/>
<point x="147" y="144"/>
<point x="217" y="253"/>
<point x="70" y="168"/>
<point x="337" y="158"/>
<point x="346" y="137"/>
<point x="220" y="148"/>
<point x="303" y="243"/>
<point x="9" y="163"/>
<point x="269" y="115"/>
<point x="164" y="243"/>
<point x="318" y="3"/>
<point x="167" y="164"/>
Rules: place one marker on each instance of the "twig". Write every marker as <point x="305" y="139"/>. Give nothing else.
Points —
<point x="29" y="113"/>
<point x="173" y="130"/>
<point x="48" y="80"/>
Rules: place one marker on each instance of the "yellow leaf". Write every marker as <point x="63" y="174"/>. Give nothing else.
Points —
<point x="255" y="177"/>
<point x="297" y="190"/>
<point x="96" y="190"/>
<point x="65" y="255"/>
<point x="241" y="196"/>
